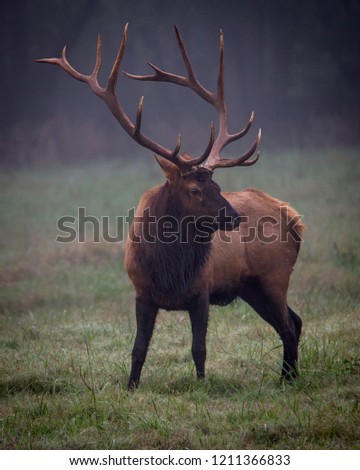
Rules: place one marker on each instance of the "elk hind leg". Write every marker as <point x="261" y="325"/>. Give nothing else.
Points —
<point x="297" y="322"/>
<point x="270" y="304"/>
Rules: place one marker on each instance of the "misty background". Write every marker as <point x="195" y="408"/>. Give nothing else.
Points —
<point x="295" y="63"/>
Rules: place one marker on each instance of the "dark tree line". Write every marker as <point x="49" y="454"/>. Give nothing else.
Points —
<point x="295" y="62"/>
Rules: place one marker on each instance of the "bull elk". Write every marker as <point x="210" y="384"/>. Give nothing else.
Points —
<point x="191" y="246"/>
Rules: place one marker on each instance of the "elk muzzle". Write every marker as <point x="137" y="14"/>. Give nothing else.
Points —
<point x="225" y="219"/>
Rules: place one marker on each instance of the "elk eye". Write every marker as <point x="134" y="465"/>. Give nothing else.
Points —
<point x="195" y="192"/>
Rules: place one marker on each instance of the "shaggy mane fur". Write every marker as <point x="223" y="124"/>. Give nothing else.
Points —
<point x="174" y="266"/>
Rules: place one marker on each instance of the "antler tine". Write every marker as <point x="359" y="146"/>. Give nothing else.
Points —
<point x="91" y="80"/>
<point x="64" y="64"/>
<point x="97" y="66"/>
<point x="240" y="161"/>
<point x="215" y="99"/>
<point x="241" y="133"/>
<point x="190" y="81"/>
<point x="199" y="160"/>
<point x="212" y="151"/>
<point x="114" y="74"/>
<point x="220" y="83"/>
<point x="224" y="137"/>
<point x="108" y="96"/>
<point x="138" y="117"/>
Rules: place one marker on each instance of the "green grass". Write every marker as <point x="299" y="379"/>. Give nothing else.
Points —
<point x="67" y="323"/>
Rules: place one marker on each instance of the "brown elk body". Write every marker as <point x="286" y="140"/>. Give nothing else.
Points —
<point x="190" y="245"/>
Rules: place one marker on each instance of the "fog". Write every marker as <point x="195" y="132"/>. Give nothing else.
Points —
<point x="294" y="63"/>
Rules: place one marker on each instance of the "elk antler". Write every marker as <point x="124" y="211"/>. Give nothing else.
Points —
<point x="107" y="94"/>
<point x="215" y="99"/>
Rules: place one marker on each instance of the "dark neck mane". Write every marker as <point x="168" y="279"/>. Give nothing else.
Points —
<point x="173" y="262"/>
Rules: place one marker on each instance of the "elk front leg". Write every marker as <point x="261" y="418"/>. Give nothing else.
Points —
<point x="145" y="319"/>
<point x="199" y="315"/>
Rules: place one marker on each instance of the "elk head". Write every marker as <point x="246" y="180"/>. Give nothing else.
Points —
<point x="187" y="175"/>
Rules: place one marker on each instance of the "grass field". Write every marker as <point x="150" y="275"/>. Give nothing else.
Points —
<point x="67" y="322"/>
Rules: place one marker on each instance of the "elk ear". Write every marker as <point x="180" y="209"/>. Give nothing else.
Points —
<point x="171" y="171"/>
